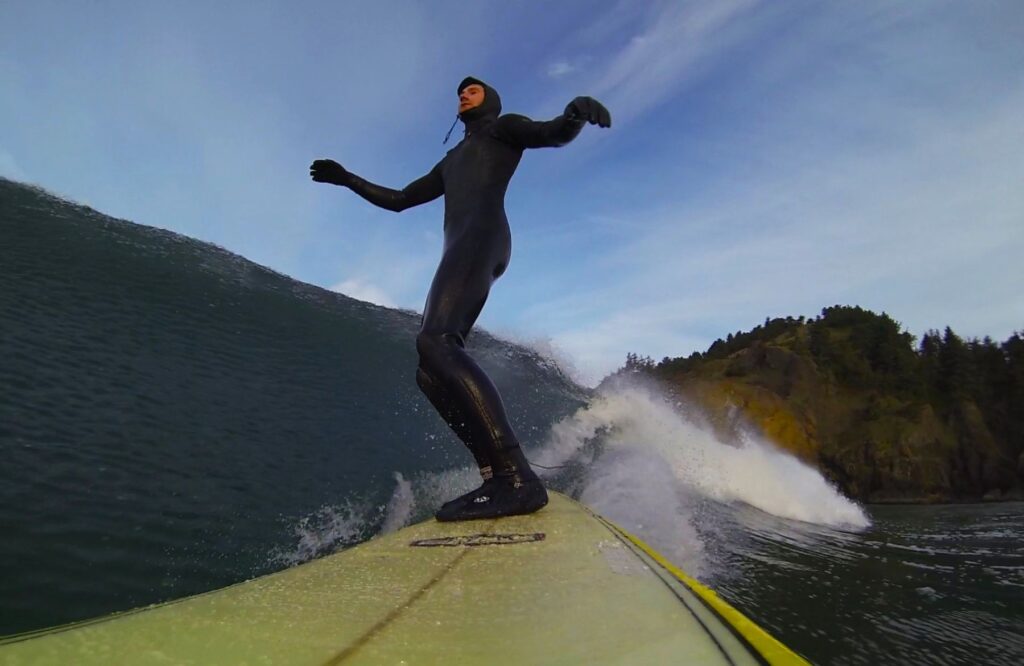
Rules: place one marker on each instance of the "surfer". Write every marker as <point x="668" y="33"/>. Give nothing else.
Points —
<point x="473" y="178"/>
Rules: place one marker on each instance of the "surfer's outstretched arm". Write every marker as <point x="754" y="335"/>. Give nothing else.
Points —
<point x="523" y="132"/>
<point x="419" y="191"/>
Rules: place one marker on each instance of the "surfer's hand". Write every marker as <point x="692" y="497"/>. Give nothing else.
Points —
<point x="328" y="171"/>
<point x="590" y="110"/>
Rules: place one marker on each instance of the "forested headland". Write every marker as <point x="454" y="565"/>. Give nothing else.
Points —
<point x="883" y="415"/>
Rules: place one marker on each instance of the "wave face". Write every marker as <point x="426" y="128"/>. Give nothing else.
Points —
<point x="175" y="418"/>
<point x="171" y="413"/>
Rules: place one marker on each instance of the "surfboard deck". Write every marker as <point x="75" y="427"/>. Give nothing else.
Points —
<point x="561" y="586"/>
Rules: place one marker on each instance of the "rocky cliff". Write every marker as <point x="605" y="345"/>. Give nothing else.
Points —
<point x="849" y="393"/>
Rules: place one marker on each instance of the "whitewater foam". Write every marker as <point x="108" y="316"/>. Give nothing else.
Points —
<point x="330" y="529"/>
<point x="640" y="459"/>
<point x="637" y="422"/>
<point x="399" y="508"/>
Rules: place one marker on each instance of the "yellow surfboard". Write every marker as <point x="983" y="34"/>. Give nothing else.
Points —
<point x="561" y="586"/>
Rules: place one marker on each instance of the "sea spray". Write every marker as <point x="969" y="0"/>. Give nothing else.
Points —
<point x="637" y="490"/>
<point x="328" y="530"/>
<point x="642" y="460"/>
<point x="334" y="528"/>
<point x="654" y="466"/>
<point x="399" y="507"/>
<point x="632" y="417"/>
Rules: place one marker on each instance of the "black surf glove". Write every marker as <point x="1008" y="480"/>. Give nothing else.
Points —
<point x="590" y="110"/>
<point x="329" y="171"/>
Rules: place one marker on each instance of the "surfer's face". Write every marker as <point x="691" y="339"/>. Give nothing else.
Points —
<point x="471" y="97"/>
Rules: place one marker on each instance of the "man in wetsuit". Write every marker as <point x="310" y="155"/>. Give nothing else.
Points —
<point x="473" y="177"/>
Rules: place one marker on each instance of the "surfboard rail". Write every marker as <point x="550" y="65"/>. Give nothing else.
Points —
<point x="767" y="646"/>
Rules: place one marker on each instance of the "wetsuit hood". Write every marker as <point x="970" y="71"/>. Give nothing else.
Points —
<point x="481" y="115"/>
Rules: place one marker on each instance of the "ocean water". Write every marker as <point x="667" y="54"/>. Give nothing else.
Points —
<point x="174" y="418"/>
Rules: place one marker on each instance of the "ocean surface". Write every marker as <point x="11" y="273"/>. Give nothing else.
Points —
<point x="175" y="418"/>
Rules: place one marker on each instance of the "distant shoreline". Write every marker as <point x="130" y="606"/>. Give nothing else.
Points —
<point x="907" y="501"/>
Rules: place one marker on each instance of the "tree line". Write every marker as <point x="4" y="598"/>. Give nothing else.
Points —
<point x="861" y="349"/>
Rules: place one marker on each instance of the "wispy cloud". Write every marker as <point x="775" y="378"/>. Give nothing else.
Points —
<point x="669" y="47"/>
<point x="362" y="290"/>
<point x="396" y="253"/>
<point x="930" y="233"/>
<point x="217" y="147"/>
<point x="557" y="70"/>
<point x="765" y="158"/>
<point x="861" y="179"/>
<point x="9" y="168"/>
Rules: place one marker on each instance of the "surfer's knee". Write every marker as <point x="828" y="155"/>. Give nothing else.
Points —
<point x="433" y="346"/>
<point x="426" y="383"/>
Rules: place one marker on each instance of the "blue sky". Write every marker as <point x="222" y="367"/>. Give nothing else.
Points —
<point x="765" y="159"/>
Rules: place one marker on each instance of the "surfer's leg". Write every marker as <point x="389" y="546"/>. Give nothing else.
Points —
<point x="456" y="298"/>
<point x="514" y="488"/>
<point x="453" y="416"/>
<point x="446" y="363"/>
<point x="457" y="295"/>
<point x="442" y="313"/>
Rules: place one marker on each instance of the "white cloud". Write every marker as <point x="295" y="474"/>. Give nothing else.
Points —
<point x="844" y="165"/>
<point x="217" y="147"/>
<point x="846" y="153"/>
<point x="10" y="169"/>
<point x="929" y="231"/>
<point x="675" y="41"/>
<point x="364" y="291"/>
<point x="557" y="70"/>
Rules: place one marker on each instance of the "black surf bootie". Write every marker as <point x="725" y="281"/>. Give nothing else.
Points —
<point x="485" y="489"/>
<point x="507" y="496"/>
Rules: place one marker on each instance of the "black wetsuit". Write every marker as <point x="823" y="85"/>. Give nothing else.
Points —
<point x="473" y="178"/>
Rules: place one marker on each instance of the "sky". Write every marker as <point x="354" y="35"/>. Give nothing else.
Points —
<point x="766" y="158"/>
